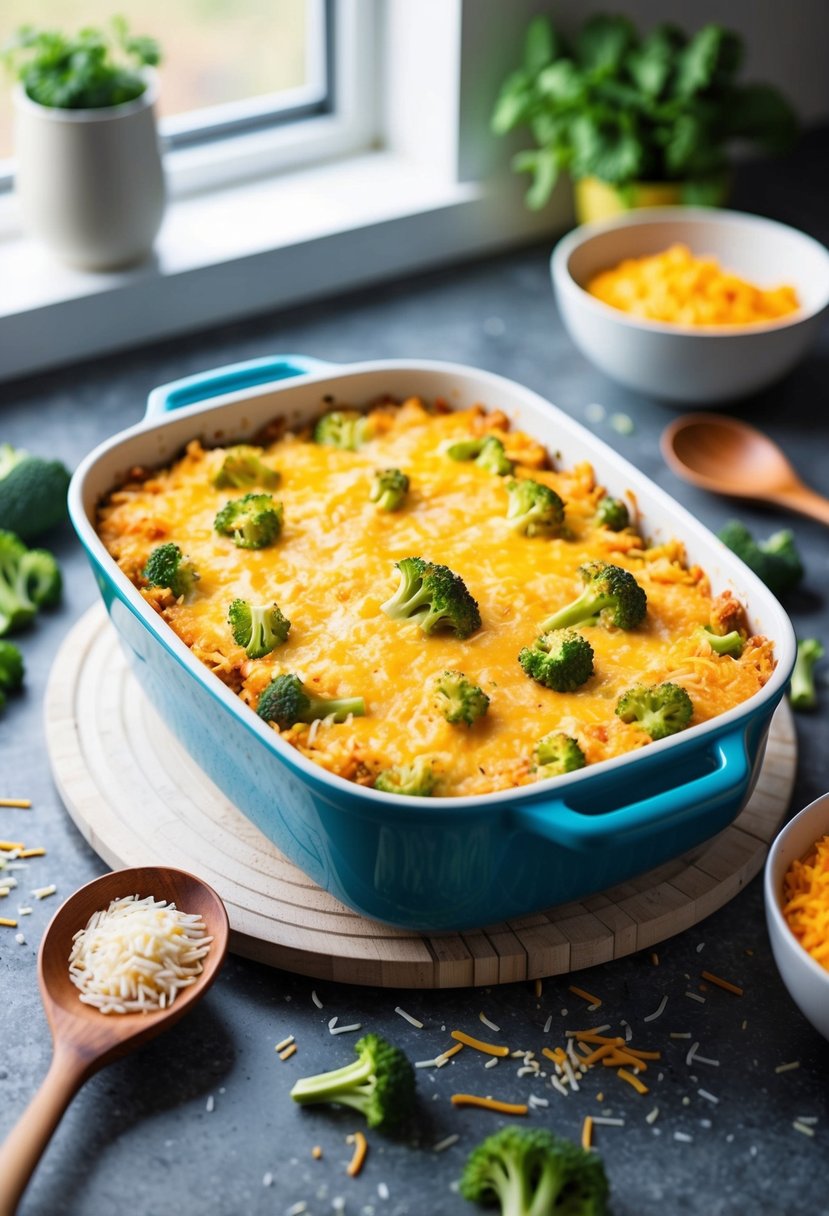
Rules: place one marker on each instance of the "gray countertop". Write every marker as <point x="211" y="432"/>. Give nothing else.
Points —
<point x="140" y="1135"/>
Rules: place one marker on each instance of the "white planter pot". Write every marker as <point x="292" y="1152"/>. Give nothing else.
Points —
<point x="90" y="182"/>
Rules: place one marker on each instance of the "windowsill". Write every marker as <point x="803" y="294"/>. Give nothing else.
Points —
<point x="257" y="246"/>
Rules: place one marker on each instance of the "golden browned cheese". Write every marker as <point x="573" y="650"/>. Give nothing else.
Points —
<point x="333" y="567"/>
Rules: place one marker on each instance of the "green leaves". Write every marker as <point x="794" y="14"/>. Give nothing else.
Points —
<point x="89" y="70"/>
<point x="621" y="108"/>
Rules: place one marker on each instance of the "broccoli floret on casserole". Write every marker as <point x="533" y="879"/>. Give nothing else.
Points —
<point x="168" y="567"/>
<point x="488" y="453"/>
<point x="242" y="468"/>
<point x="379" y="1084"/>
<point x="458" y="699"/>
<point x="730" y="644"/>
<point x="252" y="522"/>
<point x="434" y="597"/>
<point x="610" y="593"/>
<point x="531" y="1172"/>
<point x="557" y="753"/>
<point x="260" y="628"/>
<point x="661" y="710"/>
<point x="534" y="509"/>
<point x="560" y="659"/>
<point x="612" y="513"/>
<point x="389" y="488"/>
<point x="347" y="430"/>
<point x="416" y="779"/>
<point x="286" y="701"/>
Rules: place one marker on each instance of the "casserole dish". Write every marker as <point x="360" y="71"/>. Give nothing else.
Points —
<point x="430" y="863"/>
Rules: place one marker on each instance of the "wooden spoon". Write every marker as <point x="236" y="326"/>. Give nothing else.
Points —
<point x="85" y="1039"/>
<point x="730" y="457"/>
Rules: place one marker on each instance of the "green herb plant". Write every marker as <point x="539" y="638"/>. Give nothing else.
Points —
<point x="624" y="108"/>
<point x="84" y="71"/>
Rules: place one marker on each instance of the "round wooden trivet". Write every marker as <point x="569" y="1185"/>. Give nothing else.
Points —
<point x="139" y="799"/>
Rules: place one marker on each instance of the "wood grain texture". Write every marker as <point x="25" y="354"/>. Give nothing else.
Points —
<point x="112" y="757"/>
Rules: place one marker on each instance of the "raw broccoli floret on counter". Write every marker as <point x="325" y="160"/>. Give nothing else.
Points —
<point x="489" y="453"/>
<point x="380" y="1084"/>
<point x="389" y="488"/>
<point x="802" y="691"/>
<point x="560" y="659"/>
<point x="723" y="643"/>
<point x="610" y="593"/>
<point x="612" y="513"/>
<point x="11" y="667"/>
<point x="260" y="628"/>
<point x="344" y="429"/>
<point x="534" y="509"/>
<point x="776" y="560"/>
<point x="433" y="596"/>
<point x="243" y="468"/>
<point x="252" y="522"/>
<point x="660" y="711"/>
<point x="30" y="579"/>
<point x="458" y="699"/>
<point x="531" y="1172"/>
<point x="416" y="779"/>
<point x="32" y="492"/>
<point x="287" y="701"/>
<point x="168" y="567"/>
<point x="558" y="753"/>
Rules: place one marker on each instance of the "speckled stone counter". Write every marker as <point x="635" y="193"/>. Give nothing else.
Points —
<point x="140" y="1136"/>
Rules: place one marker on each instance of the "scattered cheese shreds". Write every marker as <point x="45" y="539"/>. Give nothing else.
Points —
<point x="587" y="1132"/>
<point x="442" y="1145"/>
<point x="11" y="846"/>
<point x="491" y="1025"/>
<point x="450" y="1051"/>
<point x="382" y="1190"/>
<point x="316" y="999"/>
<point x="538" y="989"/>
<point x="657" y="1013"/>
<point x="548" y="1024"/>
<point x="788" y="1067"/>
<point x="38" y="852"/>
<point x="360" y="1149"/>
<point x="683" y="1137"/>
<point x="493" y="1061"/>
<point x="503" y="1108"/>
<point x="418" y="1025"/>
<point x="606" y="1121"/>
<point x="345" y="1029"/>
<point x="586" y="996"/>
<point x="638" y="1085"/>
<point x="652" y="1115"/>
<point x="703" y="1093"/>
<point x="7" y="922"/>
<point x="289" y="1051"/>
<point x="43" y="892"/>
<point x="721" y="983"/>
<point x="491" y="1049"/>
<point x="802" y="1127"/>
<point x="22" y="804"/>
<point x="286" y="1042"/>
<point x="696" y="997"/>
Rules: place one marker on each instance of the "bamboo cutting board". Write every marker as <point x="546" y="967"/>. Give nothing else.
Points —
<point x="139" y="799"/>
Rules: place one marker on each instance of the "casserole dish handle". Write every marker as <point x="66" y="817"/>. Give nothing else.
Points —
<point x="696" y="799"/>
<point x="233" y="378"/>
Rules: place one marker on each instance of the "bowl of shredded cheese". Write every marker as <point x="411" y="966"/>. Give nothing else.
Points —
<point x="691" y="303"/>
<point x="797" y="910"/>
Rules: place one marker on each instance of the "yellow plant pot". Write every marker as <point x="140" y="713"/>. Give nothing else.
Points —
<point x="596" y="200"/>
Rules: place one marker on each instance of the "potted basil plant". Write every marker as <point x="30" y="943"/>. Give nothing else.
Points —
<point x="88" y="173"/>
<point x="635" y="121"/>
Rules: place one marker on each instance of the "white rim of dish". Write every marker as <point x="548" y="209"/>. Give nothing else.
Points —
<point x="144" y="101"/>
<point x="773" y="893"/>
<point x="643" y="217"/>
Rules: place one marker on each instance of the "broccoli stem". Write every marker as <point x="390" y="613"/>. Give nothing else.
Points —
<point x="802" y="693"/>
<point x="340" y="707"/>
<point x="349" y="1085"/>
<point x="587" y="605"/>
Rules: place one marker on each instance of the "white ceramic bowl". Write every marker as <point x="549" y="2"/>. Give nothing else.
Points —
<point x="806" y="980"/>
<point x="700" y="364"/>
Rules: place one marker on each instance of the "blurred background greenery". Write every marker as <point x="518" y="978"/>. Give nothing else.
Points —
<point x="214" y="51"/>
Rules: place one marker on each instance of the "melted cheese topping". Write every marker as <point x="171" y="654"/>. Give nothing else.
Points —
<point x="333" y="567"/>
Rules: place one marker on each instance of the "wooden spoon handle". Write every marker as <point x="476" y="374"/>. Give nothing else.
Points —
<point x="806" y="502"/>
<point x="27" y="1141"/>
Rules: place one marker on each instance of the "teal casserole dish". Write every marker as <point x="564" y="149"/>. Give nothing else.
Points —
<point x="430" y="863"/>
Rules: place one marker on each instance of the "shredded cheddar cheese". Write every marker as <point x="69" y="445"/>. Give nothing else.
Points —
<point x="677" y="287"/>
<point x="806" y="907"/>
<point x="638" y="1085"/>
<point x="360" y="1149"/>
<point x="503" y="1108"/>
<point x="587" y="1132"/>
<point x="333" y="566"/>
<point x="490" y="1049"/>
<point x="721" y="983"/>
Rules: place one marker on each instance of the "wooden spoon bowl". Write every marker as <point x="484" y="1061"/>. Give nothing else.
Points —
<point x="85" y="1039"/>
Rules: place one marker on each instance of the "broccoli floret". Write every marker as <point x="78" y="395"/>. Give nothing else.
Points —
<point x="558" y="753"/>
<point x="534" y="509"/>
<point x="380" y="1084"/>
<point x="243" y="468"/>
<point x="253" y="521"/>
<point x="416" y="779"/>
<point x="802" y="691"/>
<point x="560" y="659"/>
<point x="32" y="492"/>
<point x="722" y="643"/>
<point x="459" y="700"/>
<point x="11" y="667"/>
<point x="260" y="628"/>
<point x="434" y="597"/>
<point x="29" y="579"/>
<point x="489" y="453"/>
<point x="660" y="711"/>
<point x="610" y="592"/>
<point x="612" y="513"/>
<point x="531" y="1172"/>
<point x="287" y="701"/>
<point x="776" y="560"/>
<point x="344" y="429"/>
<point x="389" y="489"/>
<point x="167" y="567"/>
